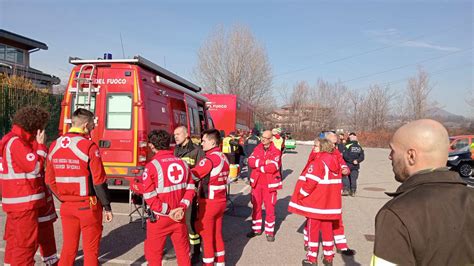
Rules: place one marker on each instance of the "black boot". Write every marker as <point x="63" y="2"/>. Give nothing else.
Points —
<point x="270" y="238"/>
<point x="327" y="262"/>
<point x="253" y="234"/>
<point x="306" y="262"/>
<point x="195" y="253"/>
<point x="348" y="252"/>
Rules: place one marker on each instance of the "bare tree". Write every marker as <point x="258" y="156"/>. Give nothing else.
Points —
<point x="377" y="107"/>
<point x="299" y="102"/>
<point x="418" y="95"/>
<point x="234" y="62"/>
<point x="330" y="97"/>
<point x="354" y="109"/>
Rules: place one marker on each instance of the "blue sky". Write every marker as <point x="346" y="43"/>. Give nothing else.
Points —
<point x="351" y="41"/>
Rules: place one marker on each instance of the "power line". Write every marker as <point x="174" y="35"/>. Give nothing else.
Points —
<point x="363" y="53"/>
<point x="407" y="78"/>
<point x="407" y="65"/>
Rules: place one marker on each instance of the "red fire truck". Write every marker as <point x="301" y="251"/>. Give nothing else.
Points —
<point x="230" y="113"/>
<point x="131" y="97"/>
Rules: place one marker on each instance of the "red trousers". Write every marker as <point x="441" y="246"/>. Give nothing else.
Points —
<point x="77" y="218"/>
<point x="339" y="237"/>
<point x="209" y="226"/>
<point x="156" y="234"/>
<point x="47" y="243"/>
<point x="262" y="195"/>
<point x="313" y="226"/>
<point x="21" y="235"/>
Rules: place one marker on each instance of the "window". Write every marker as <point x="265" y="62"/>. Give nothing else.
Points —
<point x="2" y="52"/>
<point x="119" y="111"/>
<point x="194" y="124"/>
<point x="12" y="54"/>
<point x="461" y="143"/>
<point x="197" y="122"/>
<point x="82" y="102"/>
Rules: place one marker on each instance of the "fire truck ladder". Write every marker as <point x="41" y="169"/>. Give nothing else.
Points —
<point x="85" y="76"/>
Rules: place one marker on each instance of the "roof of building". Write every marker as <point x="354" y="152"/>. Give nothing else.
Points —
<point x="30" y="43"/>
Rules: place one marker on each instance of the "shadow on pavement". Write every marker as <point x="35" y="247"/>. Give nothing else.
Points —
<point x="235" y="229"/>
<point x="350" y="260"/>
<point x="286" y="173"/>
<point x="121" y="240"/>
<point x="281" y="212"/>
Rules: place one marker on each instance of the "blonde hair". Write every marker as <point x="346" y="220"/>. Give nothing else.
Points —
<point x="326" y="145"/>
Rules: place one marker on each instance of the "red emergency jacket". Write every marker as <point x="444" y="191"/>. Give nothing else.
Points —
<point x="74" y="171"/>
<point x="317" y="192"/>
<point x="22" y="182"/>
<point x="167" y="183"/>
<point x="263" y="172"/>
<point x="212" y="172"/>
<point x="340" y="160"/>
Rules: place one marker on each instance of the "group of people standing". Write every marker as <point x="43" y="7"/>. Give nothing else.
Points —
<point x="72" y="170"/>
<point x="318" y="197"/>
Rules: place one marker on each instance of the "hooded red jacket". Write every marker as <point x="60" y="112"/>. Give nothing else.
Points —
<point x="22" y="182"/>
<point x="317" y="193"/>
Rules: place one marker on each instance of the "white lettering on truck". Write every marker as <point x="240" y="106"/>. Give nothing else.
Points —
<point x="111" y="81"/>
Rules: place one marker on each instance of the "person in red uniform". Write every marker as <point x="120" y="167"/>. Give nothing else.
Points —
<point x="75" y="175"/>
<point x="168" y="190"/>
<point x="339" y="236"/>
<point x="265" y="180"/>
<point x="317" y="197"/>
<point x="23" y="190"/>
<point x="47" y="217"/>
<point x="212" y="173"/>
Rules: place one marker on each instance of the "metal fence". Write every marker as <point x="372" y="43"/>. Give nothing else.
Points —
<point x="12" y="99"/>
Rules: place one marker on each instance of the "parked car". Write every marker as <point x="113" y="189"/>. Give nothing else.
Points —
<point x="461" y="161"/>
<point x="290" y="142"/>
<point x="460" y="142"/>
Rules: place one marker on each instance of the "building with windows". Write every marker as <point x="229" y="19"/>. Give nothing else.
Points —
<point x="15" y="51"/>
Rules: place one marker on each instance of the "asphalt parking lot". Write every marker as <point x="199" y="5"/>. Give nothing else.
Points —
<point x="122" y="242"/>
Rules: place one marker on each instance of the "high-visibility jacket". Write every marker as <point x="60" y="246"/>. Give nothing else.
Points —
<point x="167" y="183"/>
<point x="22" y="182"/>
<point x="317" y="192"/>
<point x="75" y="171"/>
<point x="226" y="145"/>
<point x="263" y="172"/>
<point x="278" y="141"/>
<point x="212" y="172"/>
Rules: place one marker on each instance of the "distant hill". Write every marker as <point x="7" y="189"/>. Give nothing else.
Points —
<point x="445" y="116"/>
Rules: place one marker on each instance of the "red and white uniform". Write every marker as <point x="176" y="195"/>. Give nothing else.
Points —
<point x="265" y="180"/>
<point x="338" y="227"/>
<point x="212" y="171"/>
<point x="23" y="193"/>
<point x="167" y="185"/>
<point x="76" y="175"/>
<point x="317" y="196"/>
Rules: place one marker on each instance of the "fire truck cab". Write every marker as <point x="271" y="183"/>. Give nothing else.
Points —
<point x="130" y="98"/>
